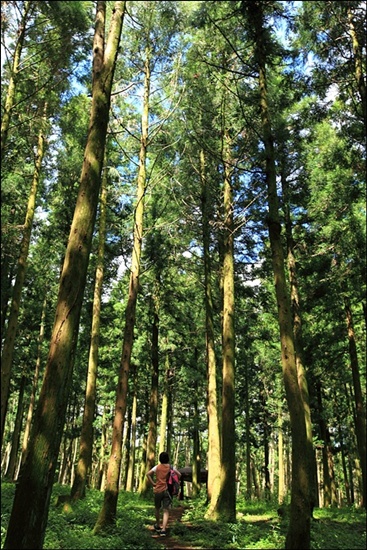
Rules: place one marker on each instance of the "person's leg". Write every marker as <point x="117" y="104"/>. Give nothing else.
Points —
<point x="165" y="518"/>
<point x="157" y="514"/>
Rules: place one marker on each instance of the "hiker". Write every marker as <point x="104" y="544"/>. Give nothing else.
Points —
<point x="161" y="494"/>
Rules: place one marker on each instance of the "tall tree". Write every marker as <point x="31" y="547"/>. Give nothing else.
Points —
<point x="298" y="535"/>
<point x="7" y="353"/>
<point x="107" y="513"/>
<point x="29" y="513"/>
<point x="86" y="437"/>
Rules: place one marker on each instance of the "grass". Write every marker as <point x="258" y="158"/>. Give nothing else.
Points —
<point x="258" y="525"/>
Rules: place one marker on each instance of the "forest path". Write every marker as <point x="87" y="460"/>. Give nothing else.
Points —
<point x="170" y="542"/>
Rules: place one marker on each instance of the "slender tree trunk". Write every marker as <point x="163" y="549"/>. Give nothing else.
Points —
<point x="28" y="423"/>
<point x="226" y="505"/>
<point x="298" y="536"/>
<point x="212" y="398"/>
<point x="164" y="408"/>
<point x="107" y="514"/>
<point x="11" y="91"/>
<point x="9" y="341"/>
<point x="86" y="437"/>
<point x="298" y="344"/>
<point x="281" y="485"/>
<point x="248" y="443"/>
<point x="360" y="416"/>
<point x="11" y="469"/>
<point x="131" y="466"/>
<point x="196" y="461"/>
<point x="29" y="514"/>
<point x="153" y="404"/>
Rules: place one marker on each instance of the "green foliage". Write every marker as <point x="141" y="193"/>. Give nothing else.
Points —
<point x="258" y="525"/>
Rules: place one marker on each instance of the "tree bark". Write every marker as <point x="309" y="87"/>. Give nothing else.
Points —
<point x="211" y="365"/>
<point x="298" y="535"/>
<point x="9" y="341"/>
<point x="107" y="514"/>
<point x="29" y="514"/>
<point x="226" y="505"/>
<point x="86" y="437"/>
<point x="360" y="416"/>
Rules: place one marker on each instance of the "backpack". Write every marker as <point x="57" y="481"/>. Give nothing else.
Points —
<point x="173" y="482"/>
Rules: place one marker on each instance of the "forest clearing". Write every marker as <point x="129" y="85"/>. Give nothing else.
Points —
<point x="183" y="273"/>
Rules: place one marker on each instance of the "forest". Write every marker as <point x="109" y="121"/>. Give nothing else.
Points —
<point x="183" y="269"/>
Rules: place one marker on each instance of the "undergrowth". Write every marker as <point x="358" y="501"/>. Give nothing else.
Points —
<point x="70" y="526"/>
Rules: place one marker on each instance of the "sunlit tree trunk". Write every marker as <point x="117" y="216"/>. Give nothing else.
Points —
<point x="29" y="513"/>
<point x="360" y="416"/>
<point x="10" y="473"/>
<point x="298" y="535"/>
<point x="131" y="466"/>
<point x="226" y="504"/>
<point x="298" y="344"/>
<point x="32" y="400"/>
<point x="107" y="514"/>
<point x="164" y="408"/>
<point x="86" y="437"/>
<point x="212" y="397"/>
<point x="8" y="347"/>
<point x="11" y="91"/>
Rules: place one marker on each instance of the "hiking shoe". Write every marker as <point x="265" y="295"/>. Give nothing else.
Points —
<point x="163" y="533"/>
<point x="157" y="528"/>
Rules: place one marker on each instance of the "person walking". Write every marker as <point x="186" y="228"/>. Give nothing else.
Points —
<point x="162" y="498"/>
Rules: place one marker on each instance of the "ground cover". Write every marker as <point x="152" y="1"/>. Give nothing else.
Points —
<point x="258" y="525"/>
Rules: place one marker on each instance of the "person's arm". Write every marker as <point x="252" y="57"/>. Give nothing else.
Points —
<point x="149" y="476"/>
<point x="178" y="473"/>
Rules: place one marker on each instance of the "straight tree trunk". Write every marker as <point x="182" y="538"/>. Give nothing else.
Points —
<point x="212" y="397"/>
<point x="9" y="341"/>
<point x="29" y="514"/>
<point x="153" y="403"/>
<point x="164" y="408"/>
<point x="281" y="485"/>
<point x="32" y="400"/>
<point x="15" y="439"/>
<point x="131" y="466"/>
<point x="84" y="465"/>
<point x="11" y="91"/>
<point x="226" y="505"/>
<point x="360" y="416"/>
<point x="107" y="514"/>
<point x="298" y="344"/>
<point x="298" y="535"/>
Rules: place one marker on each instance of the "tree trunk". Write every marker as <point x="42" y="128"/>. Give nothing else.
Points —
<point x="298" y="344"/>
<point x="32" y="400"/>
<point x="8" y="347"/>
<point x="131" y="465"/>
<point x="212" y="398"/>
<point x="153" y="405"/>
<point x="226" y="505"/>
<point x="298" y="536"/>
<point x="360" y="416"/>
<point x="29" y="514"/>
<point x="11" y="91"/>
<point x="164" y="408"/>
<point x="86" y="437"/>
<point x="107" y="514"/>
<point x="11" y="469"/>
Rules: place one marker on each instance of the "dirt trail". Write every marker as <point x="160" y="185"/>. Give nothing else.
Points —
<point x="169" y="541"/>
